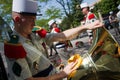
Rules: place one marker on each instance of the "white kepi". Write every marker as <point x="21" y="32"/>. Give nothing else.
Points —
<point x="25" y="6"/>
<point x="51" y="22"/>
<point x="83" y="5"/>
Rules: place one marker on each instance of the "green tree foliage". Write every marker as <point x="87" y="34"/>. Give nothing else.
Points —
<point x="73" y="14"/>
<point x="44" y="0"/>
<point x="105" y="6"/>
<point x="76" y="12"/>
<point x="51" y="13"/>
<point x="5" y="10"/>
<point x="42" y="23"/>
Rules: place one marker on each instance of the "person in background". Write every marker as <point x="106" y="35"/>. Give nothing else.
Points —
<point x="25" y="55"/>
<point x="88" y="18"/>
<point x="114" y="22"/>
<point x="53" y="29"/>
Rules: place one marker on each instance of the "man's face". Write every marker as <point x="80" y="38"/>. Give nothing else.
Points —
<point x="84" y="10"/>
<point x="27" y="23"/>
<point x="54" y="25"/>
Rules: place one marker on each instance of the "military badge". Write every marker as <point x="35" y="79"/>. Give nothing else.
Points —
<point x="16" y="69"/>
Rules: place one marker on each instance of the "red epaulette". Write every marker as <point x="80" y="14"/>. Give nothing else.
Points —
<point x="42" y="33"/>
<point x="14" y="51"/>
<point x="91" y="16"/>
<point x="57" y="30"/>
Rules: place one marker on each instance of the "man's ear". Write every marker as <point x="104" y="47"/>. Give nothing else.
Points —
<point x="17" y="19"/>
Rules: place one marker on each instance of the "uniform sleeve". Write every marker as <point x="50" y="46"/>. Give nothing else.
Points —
<point x="49" y="37"/>
<point x="25" y="71"/>
<point x="52" y="37"/>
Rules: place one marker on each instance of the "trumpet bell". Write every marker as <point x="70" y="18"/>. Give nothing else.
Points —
<point x="102" y="62"/>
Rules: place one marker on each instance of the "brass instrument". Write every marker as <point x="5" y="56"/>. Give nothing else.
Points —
<point x="102" y="61"/>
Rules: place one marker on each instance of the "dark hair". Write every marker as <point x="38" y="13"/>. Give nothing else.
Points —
<point x="50" y="27"/>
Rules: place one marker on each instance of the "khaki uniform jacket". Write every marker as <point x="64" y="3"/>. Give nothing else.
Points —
<point x="35" y="61"/>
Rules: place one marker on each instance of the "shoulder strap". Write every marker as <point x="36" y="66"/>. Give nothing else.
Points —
<point x="13" y="49"/>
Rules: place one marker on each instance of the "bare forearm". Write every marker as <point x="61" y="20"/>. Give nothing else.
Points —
<point x="58" y="76"/>
<point x="68" y="34"/>
<point x="72" y="33"/>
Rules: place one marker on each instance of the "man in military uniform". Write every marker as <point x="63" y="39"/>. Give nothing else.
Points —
<point x="114" y="22"/>
<point x="53" y="29"/>
<point x="88" y="18"/>
<point x="24" y="52"/>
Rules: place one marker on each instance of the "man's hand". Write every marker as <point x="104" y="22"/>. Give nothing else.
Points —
<point x="70" y="67"/>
